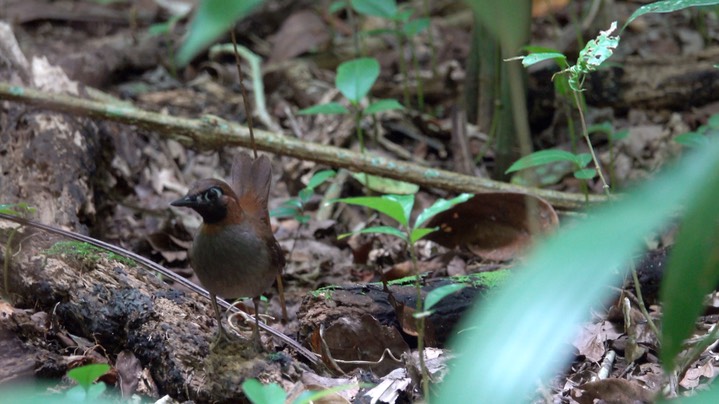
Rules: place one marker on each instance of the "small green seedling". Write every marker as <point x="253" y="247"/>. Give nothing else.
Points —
<point x="596" y="52"/>
<point x="295" y="207"/>
<point x="404" y="29"/>
<point x="87" y="390"/>
<point x="399" y="208"/>
<point x="354" y="80"/>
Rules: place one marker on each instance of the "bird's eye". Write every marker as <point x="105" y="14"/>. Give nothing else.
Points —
<point x="214" y="193"/>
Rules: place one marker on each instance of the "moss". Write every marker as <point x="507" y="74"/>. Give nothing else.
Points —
<point x="85" y="252"/>
<point x="325" y="292"/>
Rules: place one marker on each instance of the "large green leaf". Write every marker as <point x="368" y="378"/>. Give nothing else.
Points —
<point x="356" y="77"/>
<point x="213" y="18"/>
<point x="667" y="6"/>
<point x="693" y="268"/>
<point x="407" y="203"/>
<point x="440" y="205"/>
<point x="330" y="108"/>
<point x="521" y="336"/>
<point x="389" y="207"/>
<point x="260" y="393"/>
<point x="541" y="158"/>
<point x="534" y="58"/>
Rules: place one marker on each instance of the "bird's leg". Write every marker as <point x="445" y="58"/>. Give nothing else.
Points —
<point x="221" y="333"/>
<point x="256" y="331"/>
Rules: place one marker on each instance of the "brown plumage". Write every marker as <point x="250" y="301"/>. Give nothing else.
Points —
<point x="235" y="253"/>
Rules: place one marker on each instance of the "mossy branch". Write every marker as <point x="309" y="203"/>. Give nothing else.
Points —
<point x="210" y="132"/>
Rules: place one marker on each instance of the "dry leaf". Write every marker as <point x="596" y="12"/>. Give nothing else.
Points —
<point x="492" y="225"/>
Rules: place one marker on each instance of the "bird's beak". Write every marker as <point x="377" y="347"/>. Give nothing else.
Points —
<point x="186" y="201"/>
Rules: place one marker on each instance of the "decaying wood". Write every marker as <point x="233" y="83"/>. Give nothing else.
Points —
<point x="358" y="323"/>
<point x="96" y="304"/>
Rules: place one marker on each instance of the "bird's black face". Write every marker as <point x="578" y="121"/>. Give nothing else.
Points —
<point x="210" y="203"/>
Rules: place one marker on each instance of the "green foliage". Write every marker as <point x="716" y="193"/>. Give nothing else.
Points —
<point x="699" y="137"/>
<point x="693" y="268"/>
<point x="354" y="80"/>
<point x="376" y="8"/>
<point x="20" y="209"/>
<point x="295" y="207"/>
<point x="85" y="252"/>
<point x="85" y="376"/>
<point x="272" y="393"/>
<point x="544" y="157"/>
<point x="667" y="6"/>
<point x="399" y="208"/>
<point x="260" y="393"/>
<point x="566" y="276"/>
<point x="356" y="77"/>
<point x="440" y="293"/>
<point x="212" y="19"/>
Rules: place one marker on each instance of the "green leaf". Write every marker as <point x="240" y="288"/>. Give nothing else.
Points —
<point x="596" y="51"/>
<point x="376" y="8"/>
<point x="263" y="394"/>
<point x="692" y="270"/>
<point x="337" y="6"/>
<point x="389" y="207"/>
<point x="385" y="185"/>
<point x="434" y="296"/>
<point x="305" y="194"/>
<point x="284" y="211"/>
<point x="440" y="205"/>
<point x="585" y="174"/>
<point x="534" y="58"/>
<point x="417" y="234"/>
<point x="381" y="106"/>
<point x="213" y="18"/>
<point x="582" y="159"/>
<point x="667" y="6"/>
<point x="604" y="127"/>
<point x="87" y="374"/>
<point x="392" y="231"/>
<point x="356" y="77"/>
<point x="569" y="274"/>
<point x="713" y="121"/>
<point x="619" y="135"/>
<point x="541" y="158"/>
<point x="309" y="396"/>
<point x="319" y="177"/>
<point x="692" y="139"/>
<point x="95" y="391"/>
<point x="414" y="27"/>
<point x="334" y="108"/>
<point x="407" y="203"/>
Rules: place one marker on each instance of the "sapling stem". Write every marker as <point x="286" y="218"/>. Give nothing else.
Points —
<point x="419" y="321"/>
<point x="585" y="133"/>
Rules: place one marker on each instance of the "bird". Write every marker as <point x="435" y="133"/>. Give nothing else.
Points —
<point x="235" y="253"/>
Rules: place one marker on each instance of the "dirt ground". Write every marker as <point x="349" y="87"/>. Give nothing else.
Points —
<point x="64" y="306"/>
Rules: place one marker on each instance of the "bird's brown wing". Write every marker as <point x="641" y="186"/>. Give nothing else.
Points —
<point x="251" y="180"/>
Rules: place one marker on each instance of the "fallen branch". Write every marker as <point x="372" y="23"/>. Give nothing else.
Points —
<point x="211" y="132"/>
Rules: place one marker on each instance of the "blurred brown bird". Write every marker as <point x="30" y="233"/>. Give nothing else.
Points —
<point x="235" y="253"/>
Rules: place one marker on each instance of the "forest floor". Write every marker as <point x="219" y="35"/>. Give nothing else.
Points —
<point x="137" y="172"/>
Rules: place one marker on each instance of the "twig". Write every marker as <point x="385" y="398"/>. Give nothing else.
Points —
<point x="210" y="132"/>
